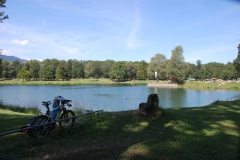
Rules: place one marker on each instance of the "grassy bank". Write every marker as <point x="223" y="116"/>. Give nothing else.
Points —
<point x="104" y="81"/>
<point x="100" y="81"/>
<point x="210" y="132"/>
<point x="211" y="85"/>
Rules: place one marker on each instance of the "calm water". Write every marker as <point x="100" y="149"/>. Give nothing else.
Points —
<point x="109" y="98"/>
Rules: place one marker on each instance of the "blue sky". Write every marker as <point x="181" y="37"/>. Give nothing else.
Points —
<point x="128" y="30"/>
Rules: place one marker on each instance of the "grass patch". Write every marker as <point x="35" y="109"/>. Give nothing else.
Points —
<point x="211" y="85"/>
<point x="210" y="132"/>
<point x="91" y="81"/>
<point x="32" y="110"/>
<point x="105" y="81"/>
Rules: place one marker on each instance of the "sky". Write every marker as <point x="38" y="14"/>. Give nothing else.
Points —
<point x="121" y="30"/>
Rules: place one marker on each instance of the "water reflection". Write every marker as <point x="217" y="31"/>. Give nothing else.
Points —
<point x="109" y="98"/>
<point x="170" y="97"/>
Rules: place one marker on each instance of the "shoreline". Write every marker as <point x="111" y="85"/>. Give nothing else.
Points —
<point x="150" y="83"/>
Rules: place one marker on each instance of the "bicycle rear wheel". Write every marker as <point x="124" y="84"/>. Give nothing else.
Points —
<point x="69" y="122"/>
<point x="41" y="130"/>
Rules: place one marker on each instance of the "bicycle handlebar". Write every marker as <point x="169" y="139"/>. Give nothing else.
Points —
<point x="46" y="103"/>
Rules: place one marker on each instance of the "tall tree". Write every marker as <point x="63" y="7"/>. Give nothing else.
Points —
<point x="228" y="71"/>
<point x="69" y="68"/>
<point x="1" y="64"/>
<point x="158" y="64"/>
<point x="89" y="69"/>
<point x="47" y="71"/>
<point x="2" y="16"/>
<point x="213" y="69"/>
<point x="34" y="68"/>
<point x="177" y="69"/>
<point x="77" y="69"/>
<point x="131" y="70"/>
<point x="236" y="61"/>
<point x="105" y="68"/>
<point x="24" y="74"/>
<point x="118" y="71"/>
<point x="6" y="66"/>
<point x="61" y="71"/>
<point x="142" y="70"/>
<point x="14" y="68"/>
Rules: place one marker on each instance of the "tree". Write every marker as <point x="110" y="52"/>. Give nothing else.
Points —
<point x="157" y="64"/>
<point x="1" y="65"/>
<point x="47" y="71"/>
<point x="6" y="66"/>
<point x="61" y="71"/>
<point x="142" y="70"/>
<point x="105" y="68"/>
<point x="77" y="69"/>
<point x="131" y="70"/>
<point x="118" y="71"/>
<point x="2" y="16"/>
<point x="195" y="70"/>
<point x="24" y="74"/>
<point x="236" y="61"/>
<point x="69" y="69"/>
<point x="34" y="68"/>
<point x="213" y="69"/>
<point x="177" y="69"/>
<point x="88" y="69"/>
<point x="228" y="71"/>
<point x="14" y="68"/>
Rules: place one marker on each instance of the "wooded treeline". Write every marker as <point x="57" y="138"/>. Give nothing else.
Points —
<point x="173" y="68"/>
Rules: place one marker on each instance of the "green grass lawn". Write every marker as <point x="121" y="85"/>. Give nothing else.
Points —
<point x="210" y="132"/>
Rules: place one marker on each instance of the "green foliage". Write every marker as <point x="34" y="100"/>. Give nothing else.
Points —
<point x="157" y="64"/>
<point x="34" y="68"/>
<point x="105" y="68"/>
<point x="174" y="68"/>
<point x="118" y="71"/>
<point x="1" y="68"/>
<point x="177" y="68"/>
<point x="48" y="69"/>
<point x="33" y="110"/>
<point x="24" y="74"/>
<point x="2" y="16"/>
<point x="61" y="71"/>
<point x="77" y="69"/>
<point x="236" y="63"/>
<point x="142" y="70"/>
<point x="131" y="70"/>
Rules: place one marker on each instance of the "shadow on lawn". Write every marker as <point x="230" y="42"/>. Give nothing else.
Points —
<point x="211" y="132"/>
<point x="194" y="133"/>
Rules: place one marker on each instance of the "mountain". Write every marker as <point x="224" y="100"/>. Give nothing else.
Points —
<point x="12" y="58"/>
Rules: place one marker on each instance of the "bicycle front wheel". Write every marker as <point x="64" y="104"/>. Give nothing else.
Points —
<point x="39" y="129"/>
<point x="69" y="122"/>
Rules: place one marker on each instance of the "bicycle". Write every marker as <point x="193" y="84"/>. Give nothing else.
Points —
<point x="43" y="124"/>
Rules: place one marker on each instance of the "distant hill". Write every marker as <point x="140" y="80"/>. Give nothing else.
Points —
<point x="12" y="58"/>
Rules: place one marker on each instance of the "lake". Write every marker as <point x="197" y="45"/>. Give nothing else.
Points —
<point x="109" y="97"/>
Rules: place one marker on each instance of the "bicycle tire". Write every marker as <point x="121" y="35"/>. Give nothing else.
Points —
<point x="66" y="124"/>
<point x="40" y="131"/>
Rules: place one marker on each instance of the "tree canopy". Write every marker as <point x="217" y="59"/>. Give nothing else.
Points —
<point x="2" y="16"/>
<point x="174" y="69"/>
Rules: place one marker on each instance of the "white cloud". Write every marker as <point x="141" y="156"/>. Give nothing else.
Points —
<point x="7" y="52"/>
<point x="16" y="41"/>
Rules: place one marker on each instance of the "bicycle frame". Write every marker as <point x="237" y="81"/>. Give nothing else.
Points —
<point x="50" y="121"/>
